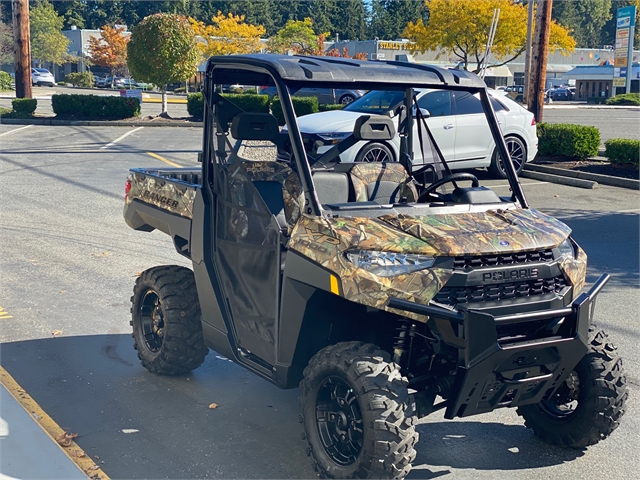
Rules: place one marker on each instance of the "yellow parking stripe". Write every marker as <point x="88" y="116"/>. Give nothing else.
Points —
<point x="51" y="428"/>
<point x="162" y="159"/>
<point x="4" y="313"/>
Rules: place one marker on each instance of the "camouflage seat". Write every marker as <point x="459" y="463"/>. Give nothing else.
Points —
<point x="382" y="183"/>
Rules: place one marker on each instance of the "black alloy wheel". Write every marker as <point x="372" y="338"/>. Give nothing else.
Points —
<point x="518" y="153"/>
<point x="152" y="320"/>
<point x="346" y="99"/>
<point x="374" y="153"/>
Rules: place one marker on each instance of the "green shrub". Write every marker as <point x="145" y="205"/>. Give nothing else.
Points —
<point x="622" y="150"/>
<point x="567" y="140"/>
<point x="301" y="105"/>
<point x="80" y="79"/>
<point x="24" y="106"/>
<point x="62" y="84"/>
<point x="330" y="106"/>
<point x="248" y="103"/>
<point x="195" y="105"/>
<point x="5" y="81"/>
<point x="95" y="106"/>
<point x="597" y="100"/>
<point x="5" y="111"/>
<point x="625" y="99"/>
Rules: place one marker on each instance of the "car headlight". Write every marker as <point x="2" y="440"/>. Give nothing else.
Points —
<point x="333" y="138"/>
<point x="567" y="250"/>
<point x="388" y="264"/>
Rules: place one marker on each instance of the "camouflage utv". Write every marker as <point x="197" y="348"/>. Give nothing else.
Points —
<point x="386" y="291"/>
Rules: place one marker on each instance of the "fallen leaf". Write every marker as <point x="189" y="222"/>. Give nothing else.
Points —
<point x="78" y="453"/>
<point x="93" y="467"/>
<point x="138" y="274"/>
<point x="63" y="291"/>
<point x="55" y="333"/>
<point x="213" y="405"/>
<point x="96" y="457"/>
<point x="103" y="254"/>
<point x="65" y="438"/>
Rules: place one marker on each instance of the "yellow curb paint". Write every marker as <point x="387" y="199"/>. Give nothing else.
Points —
<point x="162" y="159"/>
<point x="50" y="427"/>
<point x="159" y="100"/>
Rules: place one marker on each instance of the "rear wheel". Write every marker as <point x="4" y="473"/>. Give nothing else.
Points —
<point x="590" y="403"/>
<point x="347" y="99"/>
<point x="353" y="409"/>
<point x="518" y="153"/>
<point x="374" y="153"/>
<point x="165" y="316"/>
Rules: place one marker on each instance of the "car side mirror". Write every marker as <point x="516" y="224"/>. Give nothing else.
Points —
<point x="423" y="111"/>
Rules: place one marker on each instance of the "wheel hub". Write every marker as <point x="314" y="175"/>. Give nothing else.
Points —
<point x="152" y="320"/>
<point x="339" y="421"/>
<point x="566" y="400"/>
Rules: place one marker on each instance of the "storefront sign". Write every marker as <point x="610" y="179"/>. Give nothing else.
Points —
<point x="625" y="24"/>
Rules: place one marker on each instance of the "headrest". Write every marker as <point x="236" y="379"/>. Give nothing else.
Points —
<point x="374" y="127"/>
<point x="254" y="126"/>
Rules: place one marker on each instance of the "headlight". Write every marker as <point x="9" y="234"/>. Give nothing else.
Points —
<point x="567" y="250"/>
<point x="333" y="138"/>
<point x="388" y="264"/>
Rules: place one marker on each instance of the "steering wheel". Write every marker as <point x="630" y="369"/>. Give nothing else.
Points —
<point x="453" y="178"/>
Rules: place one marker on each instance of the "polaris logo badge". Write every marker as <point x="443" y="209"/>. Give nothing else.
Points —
<point x="504" y="243"/>
<point x="507" y="275"/>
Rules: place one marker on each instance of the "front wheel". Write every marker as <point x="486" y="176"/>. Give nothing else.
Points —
<point x="353" y="409"/>
<point x="518" y="153"/>
<point x="347" y="99"/>
<point x="165" y="316"/>
<point x="588" y="405"/>
<point x="374" y="153"/>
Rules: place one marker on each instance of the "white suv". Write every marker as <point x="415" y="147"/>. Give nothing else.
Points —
<point x="42" y="76"/>
<point x="456" y="120"/>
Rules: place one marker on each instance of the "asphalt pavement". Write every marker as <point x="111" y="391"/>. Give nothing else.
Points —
<point x="68" y="267"/>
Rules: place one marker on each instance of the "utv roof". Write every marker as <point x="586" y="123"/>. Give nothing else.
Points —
<point x="333" y="72"/>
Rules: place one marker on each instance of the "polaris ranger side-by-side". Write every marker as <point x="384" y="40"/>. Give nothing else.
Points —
<point x="386" y="291"/>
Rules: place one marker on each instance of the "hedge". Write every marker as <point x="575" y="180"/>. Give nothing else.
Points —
<point x="24" y="106"/>
<point x="5" y="81"/>
<point x="248" y="103"/>
<point x="625" y="99"/>
<point x="567" y="140"/>
<point x="95" y="106"/>
<point x="301" y="105"/>
<point x="622" y="150"/>
<point x="80" y="79"/>
<point x="330" y="106"/>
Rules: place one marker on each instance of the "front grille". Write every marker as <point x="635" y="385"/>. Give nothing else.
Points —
<point x="503" y="291"/>
<point x="503" y="259"/>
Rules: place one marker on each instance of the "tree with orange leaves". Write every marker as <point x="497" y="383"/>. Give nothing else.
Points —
<point x="111" y="50"/>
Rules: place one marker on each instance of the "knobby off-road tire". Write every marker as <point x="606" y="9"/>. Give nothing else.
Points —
<point x="353" y="410"/>
<point x="165" y="316"/>
<point x="600" y="391"/>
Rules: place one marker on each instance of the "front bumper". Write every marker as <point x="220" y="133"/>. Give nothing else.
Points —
<point x="494" y="372"/>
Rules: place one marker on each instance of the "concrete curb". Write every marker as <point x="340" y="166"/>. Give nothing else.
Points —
<point x="97" y="123"/>
<point x="547" y="177"/>
<point x="581" y="176"/>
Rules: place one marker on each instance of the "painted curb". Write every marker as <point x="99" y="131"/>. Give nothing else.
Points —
<point x="97" y="123"/>
<point x="547" y="177"/>
<point x="576" y="175"/>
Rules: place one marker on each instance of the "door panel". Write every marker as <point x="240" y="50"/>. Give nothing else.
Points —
<point x="474" y="141"/>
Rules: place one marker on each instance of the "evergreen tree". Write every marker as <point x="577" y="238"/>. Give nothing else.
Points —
<point x="389" y="18"/>
<point x="72" y="12"/>
<point x="585" y="18"/>
<point x="350" y="21"/>
<point x="322" y="13"/>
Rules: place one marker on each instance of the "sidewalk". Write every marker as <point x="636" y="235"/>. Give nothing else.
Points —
<point x="29" y="450"/>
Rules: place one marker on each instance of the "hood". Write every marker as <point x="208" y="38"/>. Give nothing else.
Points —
<point x="329" y="122"/>
<point x="482" y="233"/>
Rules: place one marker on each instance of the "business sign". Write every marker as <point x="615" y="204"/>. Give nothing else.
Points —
<point x="625" y="24"/>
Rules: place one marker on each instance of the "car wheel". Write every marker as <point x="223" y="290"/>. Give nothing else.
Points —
<point x="589" y="404"/>
<point x="518" y="152"/>
<point x="353" y="403"/>
<point x="374" y="152"/>
<point x="347" y="99"/>
<point x="165" y="316"/>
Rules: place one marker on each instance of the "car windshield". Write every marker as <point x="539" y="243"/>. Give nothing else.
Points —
<point x="376" y="102"/>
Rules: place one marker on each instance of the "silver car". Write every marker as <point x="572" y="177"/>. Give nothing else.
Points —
<point x="325" y="95"/>
<point x="42" y="76"/>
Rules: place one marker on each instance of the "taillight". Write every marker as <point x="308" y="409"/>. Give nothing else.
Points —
<point x="533" y="121"/>
<point x="127" y="188"/>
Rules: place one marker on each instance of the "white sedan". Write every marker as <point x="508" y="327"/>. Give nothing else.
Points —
<point x="456" y="120"/>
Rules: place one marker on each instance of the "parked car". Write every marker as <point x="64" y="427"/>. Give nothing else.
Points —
<point x="516" y="92"/>
<point x="42" y="76"/>
<point x="325" y="95"/>
<point x="563" y="93"/>
<point x="456" y="120"/>
<point x="103" y="82"/>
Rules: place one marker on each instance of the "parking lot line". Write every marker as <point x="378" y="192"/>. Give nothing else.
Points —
<point x="4" y="314"/>
<point x="51" y="428"/>
<point x="162" y="159"/>
<point x="14" y="130"/>
<point x="120" y="138"/>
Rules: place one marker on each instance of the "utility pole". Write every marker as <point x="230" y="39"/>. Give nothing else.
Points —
<point x="22" y="48"/>
<point x="538" y="75"/>
<point x="527" y="52"/>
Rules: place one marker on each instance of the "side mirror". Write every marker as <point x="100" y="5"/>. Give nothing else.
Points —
<point x="423" y="111"/>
